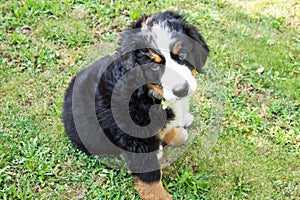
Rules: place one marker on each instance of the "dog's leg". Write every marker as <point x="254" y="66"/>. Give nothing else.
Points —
<point x="176" y="136"/>
<point x="153" y="190"/>
<point x="187" y="117"/>
<point x="145" y="167"/>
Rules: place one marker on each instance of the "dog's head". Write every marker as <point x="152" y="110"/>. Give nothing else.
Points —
<point x="168" y="51"/>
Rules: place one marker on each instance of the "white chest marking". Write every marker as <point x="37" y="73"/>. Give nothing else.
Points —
<point x="182" y="115"/>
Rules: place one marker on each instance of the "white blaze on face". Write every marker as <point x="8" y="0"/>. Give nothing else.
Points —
<point x="175" y="74"/>
<point x="158" y="35"/>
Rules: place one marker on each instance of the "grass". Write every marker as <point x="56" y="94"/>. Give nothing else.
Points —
<point x="246" y="142"/>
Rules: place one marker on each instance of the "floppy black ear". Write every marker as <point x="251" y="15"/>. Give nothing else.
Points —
<point x="200" y="49"/>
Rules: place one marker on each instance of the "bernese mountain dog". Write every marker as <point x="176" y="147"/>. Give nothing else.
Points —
<point x="136" y="101"/>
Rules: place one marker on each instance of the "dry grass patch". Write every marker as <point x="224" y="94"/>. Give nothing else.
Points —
<point x="289" y="10"/>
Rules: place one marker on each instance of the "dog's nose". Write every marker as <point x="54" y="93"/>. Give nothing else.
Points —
<point x="181" y="90"/>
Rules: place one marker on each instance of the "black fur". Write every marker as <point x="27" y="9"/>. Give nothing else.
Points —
<point x="128" y="57"/>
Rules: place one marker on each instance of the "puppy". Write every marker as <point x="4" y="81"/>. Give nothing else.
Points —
<point x="136" y="101"/>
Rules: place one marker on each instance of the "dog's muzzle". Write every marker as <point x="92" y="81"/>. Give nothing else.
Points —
<point x="181" y="90"/>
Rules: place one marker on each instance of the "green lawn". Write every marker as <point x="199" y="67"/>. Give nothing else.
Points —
<point x="246" y="132"/>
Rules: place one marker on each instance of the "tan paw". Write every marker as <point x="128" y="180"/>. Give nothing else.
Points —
<point x="152" y="191"/>
<point x="180" y="138"/>
<point x="176" y="136"/>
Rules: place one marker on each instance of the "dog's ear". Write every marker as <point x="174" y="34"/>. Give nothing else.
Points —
<point x="200" y="49"/>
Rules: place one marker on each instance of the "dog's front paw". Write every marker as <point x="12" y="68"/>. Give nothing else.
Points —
<point x="181" y="135"/>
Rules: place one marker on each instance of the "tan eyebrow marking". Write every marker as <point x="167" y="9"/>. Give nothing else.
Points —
<point x="176" y="48"/>
<point x="156" y="88"/>
<point x="155" y="57"/>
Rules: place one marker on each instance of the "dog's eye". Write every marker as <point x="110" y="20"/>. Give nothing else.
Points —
<point x="155" y="67"/>
<point x="182" y="56"/>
